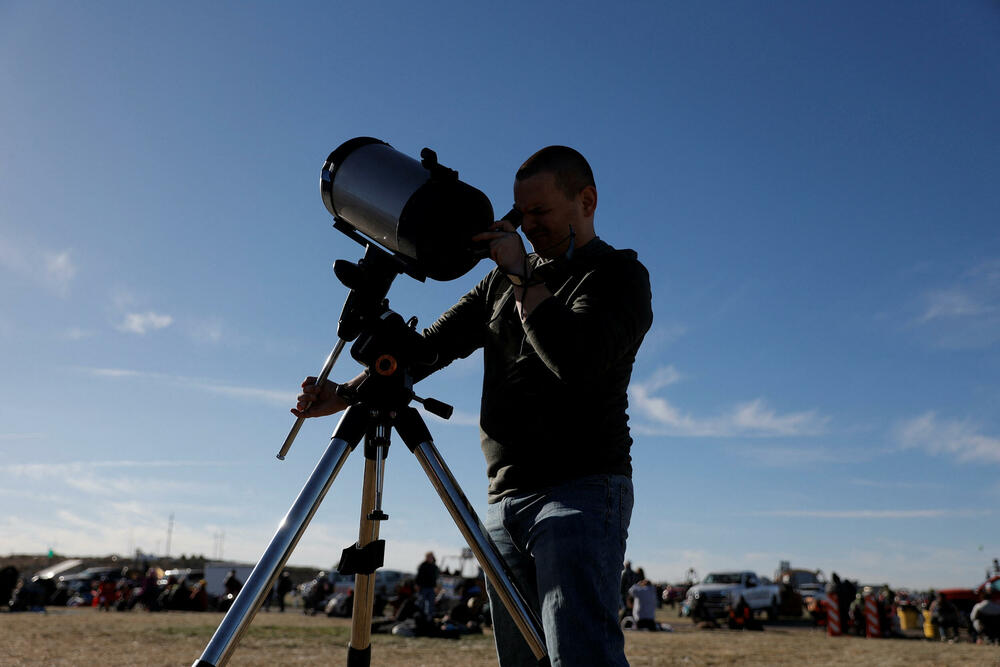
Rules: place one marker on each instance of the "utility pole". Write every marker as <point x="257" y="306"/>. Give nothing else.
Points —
<point x="170" y="532"/>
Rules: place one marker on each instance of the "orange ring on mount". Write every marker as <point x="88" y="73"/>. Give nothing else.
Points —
<point x="386" y="365"/>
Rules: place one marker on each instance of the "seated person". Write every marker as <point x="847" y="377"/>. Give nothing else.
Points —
<point x="986" y="616"/>
<point x="643" y="596"/>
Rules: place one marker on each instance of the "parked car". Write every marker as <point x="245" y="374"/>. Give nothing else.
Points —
<point x="718" y="591"/>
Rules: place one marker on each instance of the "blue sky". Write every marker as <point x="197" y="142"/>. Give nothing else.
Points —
<point x="813" y="187"/>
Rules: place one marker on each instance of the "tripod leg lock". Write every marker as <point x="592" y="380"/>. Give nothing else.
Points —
<point x="362" y="560"/>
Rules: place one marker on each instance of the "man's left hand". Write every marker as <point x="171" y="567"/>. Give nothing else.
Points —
<point x="506" y="247"/>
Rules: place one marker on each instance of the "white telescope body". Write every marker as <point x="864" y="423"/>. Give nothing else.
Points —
<point x="416" y="209"/>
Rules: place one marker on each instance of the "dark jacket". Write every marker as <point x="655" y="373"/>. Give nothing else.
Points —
<point x="555" y="387"/>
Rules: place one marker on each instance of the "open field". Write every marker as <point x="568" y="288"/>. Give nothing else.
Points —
<point x="87" y="636"/>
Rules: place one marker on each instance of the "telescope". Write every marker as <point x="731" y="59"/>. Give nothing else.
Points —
<point x="418" y="210"/>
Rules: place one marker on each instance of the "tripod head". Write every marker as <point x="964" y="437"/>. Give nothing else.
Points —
<point x="386" y="345"/>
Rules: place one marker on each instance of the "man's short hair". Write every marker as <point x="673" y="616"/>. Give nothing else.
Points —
<point x="570" y="168"/>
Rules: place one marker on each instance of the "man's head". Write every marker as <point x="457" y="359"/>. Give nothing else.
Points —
<point x="555" y="192"/>
<point x="429" y="557"/>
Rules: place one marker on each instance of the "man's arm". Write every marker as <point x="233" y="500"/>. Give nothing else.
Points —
<point x="610" y="314"/>
<point x="322" y="400"/>
<point x="460" y="331"/>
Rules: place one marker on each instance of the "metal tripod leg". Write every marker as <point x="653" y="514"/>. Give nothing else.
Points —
<point x="411" y="428"/>
<point x="345" y="438"/>
<point x="359" y="650"/>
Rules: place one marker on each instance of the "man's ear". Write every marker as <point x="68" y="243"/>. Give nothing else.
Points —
<point x="588" y="199"/>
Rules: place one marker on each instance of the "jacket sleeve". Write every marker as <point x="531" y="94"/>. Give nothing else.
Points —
<point x="459" y="331"/>
<point x="605" y="319"/>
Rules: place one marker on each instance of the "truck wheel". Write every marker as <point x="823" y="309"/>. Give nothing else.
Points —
<point x="772" y="611"/>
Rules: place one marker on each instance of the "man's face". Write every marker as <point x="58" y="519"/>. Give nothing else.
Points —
<point x="548" y="214"/>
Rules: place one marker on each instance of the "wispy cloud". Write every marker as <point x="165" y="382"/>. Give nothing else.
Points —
<point x="273" y="396"/>
<point x="965" y="313"/>
<point x="663" y="335"/>
<point x="958" y="439"/>
<point x="53" y="269"/>
<point x="77" y="333"/>
<point x="458" y="418"/>
<point x="751" y="418"/>
<point x="786" y="457"/>
<point x="109" y="481"/>
<point x="950" y="304"/>
<point x="662" y="377"/>
<point x="207" y="331"/>
<point x="895" y="484"/>
<point x="21" y="436"/>
<point x="142" y="323"/>
<point x="59" y="269"/>
<point x="116" y="372"/>
<point x="874" y="514"/>
<point x="72" y="468"/>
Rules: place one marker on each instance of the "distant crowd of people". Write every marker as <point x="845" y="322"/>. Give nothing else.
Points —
<point x="942" y="615"/>
<point x="421" y="606"/>
<point x="120" y="590"/>
<point x="125" y="589"/>
<point x="417" y="606"/>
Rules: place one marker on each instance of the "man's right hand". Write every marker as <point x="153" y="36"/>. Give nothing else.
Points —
<point x="318" y="401"/>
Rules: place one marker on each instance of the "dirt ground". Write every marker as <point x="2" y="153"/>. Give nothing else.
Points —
<point x="87" y="636"/>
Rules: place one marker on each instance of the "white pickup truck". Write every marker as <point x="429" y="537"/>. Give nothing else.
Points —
<point x="718" y="590"/>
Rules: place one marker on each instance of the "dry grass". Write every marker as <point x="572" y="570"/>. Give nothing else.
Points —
<point x="86" y="636"/>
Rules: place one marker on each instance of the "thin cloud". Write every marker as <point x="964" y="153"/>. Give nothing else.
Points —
<point x="77" y="333"/>
<point x="21" y="436"/>
<point x="894" y="484"/>
<point x="786" y="457"/>
<point x="873" y="514"/>
<point x="752" y="418"/>
<point x="458" y="418"/>
<point x="957" y="439"/>
<point x="966" y="313"/>
<point x="276" y="397"/>
<point x="142" y="323"/>
<point x="664" y="335"/>
<point x="77" y="468"/>
<point x="254" y="393"/>
<point x="54" y="269"/>
<point x="116" y="372"/>
<point x="951" y="304"/>
<point x="59" y="269"/>
<point x="663" y="377"/>
<point x="207" y="331"/>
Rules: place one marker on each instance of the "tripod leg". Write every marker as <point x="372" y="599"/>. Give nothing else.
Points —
<point x="236" y="621"/>
<point x="359" y="650"/>
<point x="411" y="428"/>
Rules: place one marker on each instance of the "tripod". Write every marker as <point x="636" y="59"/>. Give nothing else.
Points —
<point x="390" y="349"/>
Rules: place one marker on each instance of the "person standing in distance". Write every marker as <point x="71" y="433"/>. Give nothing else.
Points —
<point x="559" y="329"/>
<point x="426" y="583"/>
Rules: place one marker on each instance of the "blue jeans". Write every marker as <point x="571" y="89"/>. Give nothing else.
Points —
<point x="565" y="546"/>
<point x="425" y="602"/>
